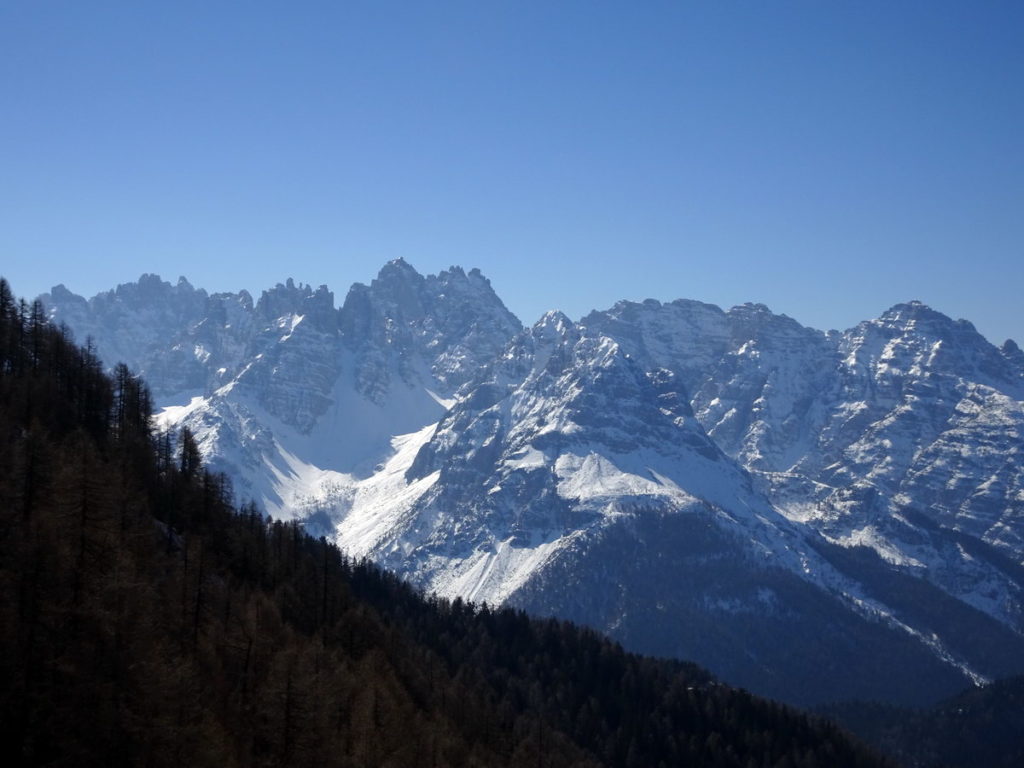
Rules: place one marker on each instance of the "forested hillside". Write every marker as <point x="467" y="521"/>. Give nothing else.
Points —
<point x="145" y="620"/>
<point x="979" y="728"/>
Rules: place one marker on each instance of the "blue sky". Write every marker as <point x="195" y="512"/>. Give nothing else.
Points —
<point x="828" y="159"/>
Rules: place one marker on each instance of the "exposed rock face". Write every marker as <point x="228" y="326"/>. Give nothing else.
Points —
<point x="291" y="380"/>
<point x="894" y="435"/>
<point x="144" y="324"/>
<point x="813" y="515"/>
<point x="448" y="324"/>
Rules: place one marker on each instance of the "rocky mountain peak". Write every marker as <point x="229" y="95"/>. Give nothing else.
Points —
<point x="385" y="307"/>
<point x="471" y="282"/>
<point x="290" y="299"/>
<point x="59" y="295"/>
<point x="917" y="317"/>
<point x="397" y="269"/>
<point x="243" y="297"/>
<point x="1014" y="354"/>
<point x="756" y="322"/>
<point x="553" y="323"/>
<point x="399" y="286"/>
<point x="912" y="338"/>
<point x="148" y="288"/>
<point x="452" y="322"/>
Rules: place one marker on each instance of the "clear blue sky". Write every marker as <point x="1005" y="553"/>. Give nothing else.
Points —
<point x="828" y="159"/>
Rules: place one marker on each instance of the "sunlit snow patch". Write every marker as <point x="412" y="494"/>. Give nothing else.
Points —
<point x="380" y="503"/>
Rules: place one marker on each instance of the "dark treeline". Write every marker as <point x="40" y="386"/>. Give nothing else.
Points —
<point x="146" y="620"/>
<point x="980" y="728"/>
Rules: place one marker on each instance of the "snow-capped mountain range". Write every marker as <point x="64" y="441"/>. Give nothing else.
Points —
<point x="816" y="516"/>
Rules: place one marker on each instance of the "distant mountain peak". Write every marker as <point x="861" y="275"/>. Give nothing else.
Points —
<point x="918" y="315"/>
<point x="400" y="263"/>
<point x="752" y="308"/>
<point x="290" y="299"/>
<point x="61" y="293"/>
<point x="398" y="270"/>
<point x="553" y="319"/>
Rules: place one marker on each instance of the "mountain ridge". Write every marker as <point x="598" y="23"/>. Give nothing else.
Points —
<point x="147" y="619"/>
<point x="421" y="425"/>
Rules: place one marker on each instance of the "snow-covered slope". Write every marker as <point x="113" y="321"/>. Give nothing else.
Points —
<point x="569" y="479"/>
<point x="310" y="407"/>
<point x="813" y="515"/>
<point x="853" y="433"/>
<point x="561" y="433"/>
<point x="912" y="402"/>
